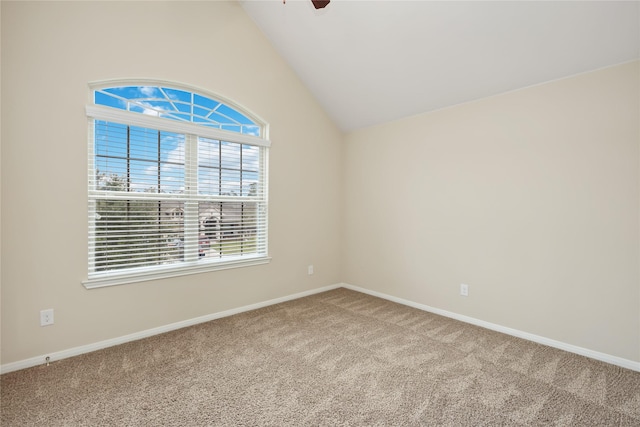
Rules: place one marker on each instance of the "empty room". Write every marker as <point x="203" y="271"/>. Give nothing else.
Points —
<point x="392" y="213"/>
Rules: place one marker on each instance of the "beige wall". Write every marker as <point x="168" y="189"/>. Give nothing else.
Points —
<point x="50" y="51"/>
<point x="531" y="198"/>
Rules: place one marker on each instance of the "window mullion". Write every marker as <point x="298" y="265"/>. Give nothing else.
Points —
<point x="191" y="223"/>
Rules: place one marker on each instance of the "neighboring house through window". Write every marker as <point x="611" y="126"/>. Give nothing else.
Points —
<point x="177" y="183"/>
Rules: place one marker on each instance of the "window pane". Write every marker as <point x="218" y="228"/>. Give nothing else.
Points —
<point x="234" y="115"/>
<point x="209" y="181"/>
<point x="200" y="111"/>
<point x="176" y="104"/>
<point x="207" y="103"/>
<point x="251" y="130"/>
<point x="110" y="139"/>
<point x="229" y="229"/>
<point x="220" y="167"/>
<point x="172" y="162"/>
<point x="134" y="233"/>
<point x="230" y="182"/>
<point x="208" y="152"/>
<point x="250" y="184"/>
<point x="177" y="95"/>
<point x="228" y="169"/>
<point x="250" y="158"/>
<point x="110" y="101"/>
<point x="138" y="159"/>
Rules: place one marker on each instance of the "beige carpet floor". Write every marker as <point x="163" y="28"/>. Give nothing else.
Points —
<point x="338" y="358"/>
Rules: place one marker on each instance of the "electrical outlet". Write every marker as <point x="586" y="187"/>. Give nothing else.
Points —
<point x="464" y="290"/>
<point x="46" y="317"/>
<point x="310" y="270"/>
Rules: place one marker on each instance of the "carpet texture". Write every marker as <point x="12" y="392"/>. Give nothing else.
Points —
<point x="335" y="358"/>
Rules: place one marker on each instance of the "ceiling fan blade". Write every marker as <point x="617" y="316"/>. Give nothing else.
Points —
<point x="319" y="4"/>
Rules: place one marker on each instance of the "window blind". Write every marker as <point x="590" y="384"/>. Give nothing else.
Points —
<point x="161" y="200"/>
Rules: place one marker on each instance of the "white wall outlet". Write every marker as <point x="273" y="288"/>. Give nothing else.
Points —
<point x="46" y="317"/>
<point x="310" y="270"/>
<point x="464" y="290"/>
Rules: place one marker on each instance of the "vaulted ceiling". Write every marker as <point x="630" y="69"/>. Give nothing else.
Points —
<point x="369" y="62"/>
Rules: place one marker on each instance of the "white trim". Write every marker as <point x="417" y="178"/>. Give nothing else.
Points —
<point x="153" y="273"/>
<point x="76" y="351"/>
<point x="100" y="112"/>
<point x="603" y="357"/>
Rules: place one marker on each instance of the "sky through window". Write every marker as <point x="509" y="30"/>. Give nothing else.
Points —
<point x="137" y="159"/>
<point x="177" y="105"/>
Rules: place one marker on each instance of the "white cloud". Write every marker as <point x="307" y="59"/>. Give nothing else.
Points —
<point x="147" y="90"/>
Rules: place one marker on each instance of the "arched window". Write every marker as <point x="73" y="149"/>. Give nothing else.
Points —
<point x="177" y="183"/>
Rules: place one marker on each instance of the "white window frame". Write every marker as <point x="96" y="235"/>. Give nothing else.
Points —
<point x="191" y="131"/>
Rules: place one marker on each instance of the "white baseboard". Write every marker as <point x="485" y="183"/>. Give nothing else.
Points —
<point x="76" y="351"/>
<point x="39" y="360"/>
<point x="603" y="357"/>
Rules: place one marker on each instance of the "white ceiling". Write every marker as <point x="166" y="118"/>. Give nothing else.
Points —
<point x="369" y="62"/>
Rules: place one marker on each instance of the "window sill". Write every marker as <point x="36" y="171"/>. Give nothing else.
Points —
<point x="102" y="280"/>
